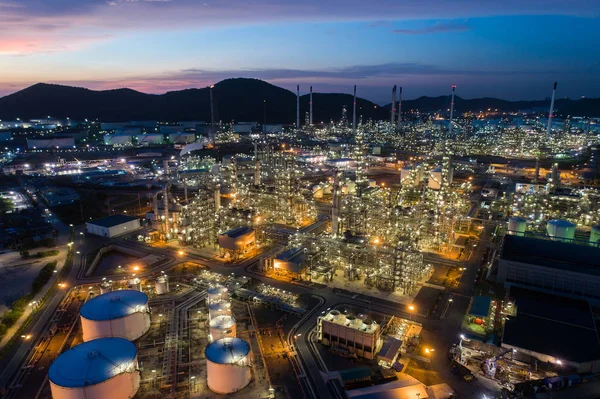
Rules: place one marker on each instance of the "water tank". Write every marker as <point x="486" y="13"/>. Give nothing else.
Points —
<point x="228" y="365"/>
<point x="135" y="284"/>
<point x="372" y="183"/>
<point x="216" y="294"/>
<point x="222" y="308"/>
<point x="595" y="235"/>
<point x="222" y="327"/>
<point x="98" y="369"/>
<point x="435" y="179"/>
<point x="105" y="287"/>
<point x="517" y="225"/>
<point x="161" y="286"/>
<point x="561" y="229"/>
<point x="405" y="173"/>
<point x="122" y="314"/>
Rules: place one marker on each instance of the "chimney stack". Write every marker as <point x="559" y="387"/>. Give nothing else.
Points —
<point x="551" y="114"/>
<point x="298" y="107"/>
<point x="310" y="119"/>
<point x="393" y="111"/>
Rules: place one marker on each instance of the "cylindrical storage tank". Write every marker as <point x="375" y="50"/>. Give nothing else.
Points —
<point x="122" y="314"/>
<point x="561" y="229"/>
<point x="372" y="183"/>
<point x="161" y="285"/>
<point x="228" y="365"/>
<point x="517" y="225"/>
<point x="595" y="234"/>
<point x="219" y="309"/>
<point x="435" y="179"/>
<point x="217" y="294"/>
<point x="222" y="327"/>
<point x="105" y="287"/>
<point x="405" y="173"/>
<point x="98" y="369"/>
<point x="135" y="284"/>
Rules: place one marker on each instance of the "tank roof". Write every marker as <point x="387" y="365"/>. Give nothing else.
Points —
<point x="222" y="322"/>
<point x="92" y="362"/>
<point x="113" y="305"/>
<point x="227" y="350"/>
<point x="561" y="223"/>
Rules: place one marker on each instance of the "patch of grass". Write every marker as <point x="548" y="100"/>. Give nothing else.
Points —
<point x="420" y="372"/>
<point x="42" y="254"/>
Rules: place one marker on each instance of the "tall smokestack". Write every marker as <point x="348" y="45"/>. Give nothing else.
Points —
<point x="166" y="205"/>
<point x="298" y="107"/>
<point x="256" y="166"/>
<point x="451" y="111"/>
<point x="335" y="206"/>
<point x="310" y="118"/>
<point x="354" y="114"/>
<point x="217" y="195"/>
<point x="551" y="114"/>
<point x="400" y="107"/>
<point x="212" y="106"/>
<point x="393" y="111"/>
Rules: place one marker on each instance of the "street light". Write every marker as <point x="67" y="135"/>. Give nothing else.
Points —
<point x="412" y="309"/>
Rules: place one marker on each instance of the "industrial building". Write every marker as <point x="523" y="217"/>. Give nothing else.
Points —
<point x="558" y="267"/>
<point x="122" y="314"/>
<point x="237" y="240"/>
<point x="113" y="226"/>
<point x="98" y="369"/>
<point x="228" y="365"/>
<point x="357" y="334"/>
<point x="289" y="263"/>
<point x="553" y="329"/>
<point x="51" y="142"/>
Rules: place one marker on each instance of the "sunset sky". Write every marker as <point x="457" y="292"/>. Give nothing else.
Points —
<point x="509" y="49"/>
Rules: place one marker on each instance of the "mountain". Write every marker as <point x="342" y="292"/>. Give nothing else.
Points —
<point x="235" y="99"/>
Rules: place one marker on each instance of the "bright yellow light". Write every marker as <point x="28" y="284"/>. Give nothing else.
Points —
<point x="136" y="268"/>
<point x="411" y="308"/>
<point x="181" y="253"/>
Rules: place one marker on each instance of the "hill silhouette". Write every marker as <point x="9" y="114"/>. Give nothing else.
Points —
<point x="237" y="99"/>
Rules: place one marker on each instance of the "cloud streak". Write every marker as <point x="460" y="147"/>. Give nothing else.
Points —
<point x="437" y="28"/>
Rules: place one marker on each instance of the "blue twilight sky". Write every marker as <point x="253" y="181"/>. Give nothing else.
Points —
<point x="513" y="49"/>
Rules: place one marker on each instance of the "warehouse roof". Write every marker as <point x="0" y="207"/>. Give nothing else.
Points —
<point x="113" y="305"/>
<point x="551" y="253"/>
<point x="237" y="232"/>
<point x="556" y="326"/>
<point x="112" y="221"/>
<point x="92" y="362"/>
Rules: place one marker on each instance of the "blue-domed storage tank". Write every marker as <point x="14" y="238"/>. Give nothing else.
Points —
<point x="123" y="314"/>
<point x="98" y="369"/>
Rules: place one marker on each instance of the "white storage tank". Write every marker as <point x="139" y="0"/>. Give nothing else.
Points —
<point x="161" y="286"/>
<point x="405" y="173"/>
<point x="517" y="225"/>
<point x="217" y="294"/>
<point x="435" y="179"/>
<point x="105" y="287"/>
<point x="222" y="327"/>
<point x="561" y="229"/>
<point x="135" y="283"/>
<point x="228" y="365"/>
<point x="221" y="308"/>
<point x="98" y="369"/>
<point x="122" y="314"/>
<point x="595" y="235"/>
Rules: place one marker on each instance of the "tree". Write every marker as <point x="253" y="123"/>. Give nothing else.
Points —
<point x="6" y="205"/>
